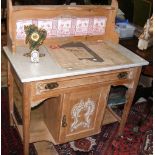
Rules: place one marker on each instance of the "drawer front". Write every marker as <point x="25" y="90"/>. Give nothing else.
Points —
<point x="61" y="84"/>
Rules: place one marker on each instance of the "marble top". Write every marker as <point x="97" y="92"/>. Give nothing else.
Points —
<point x="48" y="68"/>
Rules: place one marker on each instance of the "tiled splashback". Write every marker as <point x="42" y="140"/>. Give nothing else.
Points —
<point x="65" y="26"/>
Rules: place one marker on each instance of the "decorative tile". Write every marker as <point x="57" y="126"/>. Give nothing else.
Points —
<point x="20" y="34"/>
<point x="81" y="26"/>
<point x="99" y="25"/>
<point x="47" y="25"/>
<point x="64" y="27"/>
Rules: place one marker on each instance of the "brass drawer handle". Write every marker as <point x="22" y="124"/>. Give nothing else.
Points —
<point x="64" y="123"/>
<point x="51" y="85"/>
<point x="122" y="75"/>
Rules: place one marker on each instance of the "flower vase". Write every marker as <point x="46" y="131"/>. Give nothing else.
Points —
<point x="35" y="56"/>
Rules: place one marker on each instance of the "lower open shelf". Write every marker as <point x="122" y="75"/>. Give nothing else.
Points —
<point x="40" y="132"/>
<point x="45" y="148"/>
<point x="38" y="128"/>
<point x="110" y="116"/>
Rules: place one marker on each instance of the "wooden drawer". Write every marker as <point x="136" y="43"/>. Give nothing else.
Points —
<point x="55" y="85"/>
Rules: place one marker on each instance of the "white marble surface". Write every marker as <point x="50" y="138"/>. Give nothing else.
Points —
<point x="47" y="68"/>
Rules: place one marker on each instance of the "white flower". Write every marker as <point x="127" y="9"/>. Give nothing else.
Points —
<point x="35" y="36"/>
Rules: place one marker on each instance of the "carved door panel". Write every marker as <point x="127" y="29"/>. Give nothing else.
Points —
<point x="83" y="110"/>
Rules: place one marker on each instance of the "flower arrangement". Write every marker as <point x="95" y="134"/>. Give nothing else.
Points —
<point x="34" y="36"/>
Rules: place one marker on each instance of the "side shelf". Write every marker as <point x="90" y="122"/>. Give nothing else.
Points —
<point x="45" y="148"/>
<point x="38" y="128"/>
<point x="117" y="97"/>
<point x="110" y="116"/>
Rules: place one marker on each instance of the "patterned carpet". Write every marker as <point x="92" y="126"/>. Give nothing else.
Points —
<point x="137" y="138"/>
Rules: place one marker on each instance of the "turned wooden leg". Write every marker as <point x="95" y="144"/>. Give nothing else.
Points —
<point x="130" y="95"/>
<point x="26" y="118"/>
<point x="10" y="91"/>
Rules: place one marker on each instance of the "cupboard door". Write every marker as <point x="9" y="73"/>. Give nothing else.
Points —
<point x="83" y="110"/>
